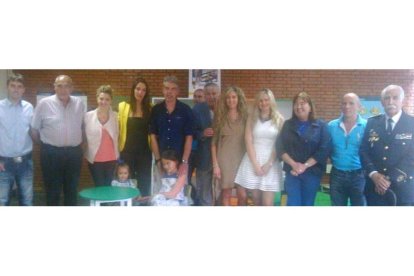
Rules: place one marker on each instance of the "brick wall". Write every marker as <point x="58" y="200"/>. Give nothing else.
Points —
<point x="325" y="87"/>
<point x="88" y="81"/>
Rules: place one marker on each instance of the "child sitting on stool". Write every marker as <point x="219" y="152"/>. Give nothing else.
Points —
<point x="172" y="185"/>
<point x="122" y="179"/>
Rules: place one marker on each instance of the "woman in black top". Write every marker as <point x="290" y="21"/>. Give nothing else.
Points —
<point x="133" y="134"/>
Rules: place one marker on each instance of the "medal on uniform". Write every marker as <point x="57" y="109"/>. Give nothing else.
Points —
<point x="373" y="137"/>
<point x="404" y="136"/>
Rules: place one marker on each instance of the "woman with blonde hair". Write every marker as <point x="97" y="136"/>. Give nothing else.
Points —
<point x="101" y="131"/>
<point x="228" y="148"/>
<point x="259" y="170"/>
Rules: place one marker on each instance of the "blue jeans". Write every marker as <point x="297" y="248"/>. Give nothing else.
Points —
<point x="22" y="174"/>
<point x="346" y="185"/>
<point x="204" y="187"/>
<point x="301" y="190"/>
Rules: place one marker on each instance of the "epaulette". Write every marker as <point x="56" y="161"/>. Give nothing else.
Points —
<point x="375" y="116"/>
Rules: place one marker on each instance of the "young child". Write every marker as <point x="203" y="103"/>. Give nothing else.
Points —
<point x="122" y="178"/>
<point x="172" y="186"/>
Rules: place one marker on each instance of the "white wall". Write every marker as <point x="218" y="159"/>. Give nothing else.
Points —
<point x="3" y="80"/>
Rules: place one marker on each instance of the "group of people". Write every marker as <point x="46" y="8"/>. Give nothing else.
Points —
<point x="229" y="145"/>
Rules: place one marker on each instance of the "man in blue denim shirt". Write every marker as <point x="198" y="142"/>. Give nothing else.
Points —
<point x="347" y="178"/>
<point x="16" y="144"/>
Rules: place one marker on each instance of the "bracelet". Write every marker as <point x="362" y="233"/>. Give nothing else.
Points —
<point x="307" y="165"/>
<point x="184" y="161"/>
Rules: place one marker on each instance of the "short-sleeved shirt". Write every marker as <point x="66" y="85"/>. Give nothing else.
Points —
<point x="345" y="147"/>
<point x="171" y="128"/>
<point x="59" y="125"/>
<point x="14" y="128"/>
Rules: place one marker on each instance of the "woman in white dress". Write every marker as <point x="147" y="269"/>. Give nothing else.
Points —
<point x="259" y="171"/>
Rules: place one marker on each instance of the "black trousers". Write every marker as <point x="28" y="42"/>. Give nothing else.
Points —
<point x="102" y="172"/>
<point x="61" y="168"/>
<point x="374" y="199"/>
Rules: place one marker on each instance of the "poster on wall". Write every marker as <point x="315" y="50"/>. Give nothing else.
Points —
<point x="198" y="78"/>
<point x="284" y="106"/>
<point x="371" y="106"/>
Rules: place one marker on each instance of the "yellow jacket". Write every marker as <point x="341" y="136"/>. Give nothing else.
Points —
<point x="123" y="113"/>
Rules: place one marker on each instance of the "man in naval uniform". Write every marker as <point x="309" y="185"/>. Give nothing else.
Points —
<point x="387" y="152"/>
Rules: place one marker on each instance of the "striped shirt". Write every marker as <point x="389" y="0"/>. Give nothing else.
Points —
<point x="14" y="128"/>
<point x="58" y="125"/>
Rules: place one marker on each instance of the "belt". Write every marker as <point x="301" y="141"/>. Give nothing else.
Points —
<point x="17" y="159"/>
<point x="60" y="148"/>
<point x="348" y="172"/>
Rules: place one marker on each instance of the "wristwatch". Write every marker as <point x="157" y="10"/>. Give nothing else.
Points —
<point x="184" y="161"/>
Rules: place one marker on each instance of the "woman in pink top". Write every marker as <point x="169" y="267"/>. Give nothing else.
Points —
<point x="101" y="131"/>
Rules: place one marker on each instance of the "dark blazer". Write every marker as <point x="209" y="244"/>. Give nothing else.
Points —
<point x="202" y="120"/>
<point x="391" y="155"/>
<point x="314" y="143"/>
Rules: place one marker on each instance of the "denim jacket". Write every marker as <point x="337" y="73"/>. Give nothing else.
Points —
<point x="315" y="143"/>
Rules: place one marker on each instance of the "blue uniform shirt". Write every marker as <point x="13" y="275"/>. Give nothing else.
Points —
<point x="14" y="128"/>
<point x="171" y="128"/>
<point x="345" y="148"/>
